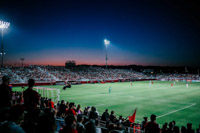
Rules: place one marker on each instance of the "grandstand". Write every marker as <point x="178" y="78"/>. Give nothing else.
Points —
<point x="49" y="74"/>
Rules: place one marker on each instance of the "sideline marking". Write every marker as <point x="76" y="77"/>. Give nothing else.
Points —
<point x="167" y="101"/>
<point x="99" y="105"/>
<point x="177" y="110"/>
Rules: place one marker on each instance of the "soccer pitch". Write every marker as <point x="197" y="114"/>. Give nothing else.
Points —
<point x="167" y="103"/>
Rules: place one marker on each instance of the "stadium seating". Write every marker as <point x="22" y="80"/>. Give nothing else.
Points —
<point x="60" y="73"/>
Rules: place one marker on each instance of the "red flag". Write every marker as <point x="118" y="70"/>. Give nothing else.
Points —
<point x="132" y="118"/>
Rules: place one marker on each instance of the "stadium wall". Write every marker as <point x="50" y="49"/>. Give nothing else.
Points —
<point x="82" y="82"/>
<point x="36" y="84"/>
<point x="183" y="80"/>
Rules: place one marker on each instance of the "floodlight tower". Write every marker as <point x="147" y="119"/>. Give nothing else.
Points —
<point x="3" y="25"/>
<point x="22" y="59"/>
<point x="106" y="42"/>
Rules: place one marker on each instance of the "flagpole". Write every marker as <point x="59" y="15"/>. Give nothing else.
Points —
<point x="130" y="113"/>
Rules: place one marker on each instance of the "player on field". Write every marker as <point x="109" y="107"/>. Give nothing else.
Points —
<point x="109" y="89"/>
<point x="186" y="84"/>
<point x="150" y="83"/>
<point x="172" y="84"/>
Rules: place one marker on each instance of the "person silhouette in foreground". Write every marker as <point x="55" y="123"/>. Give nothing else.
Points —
<point x="198" y="129"/>
<point x="152" y="126"/>
<point x="5" y="93"/>
<point x="31" y="97"/>
<point x="16" y="115"/>
<point x="189" y="128"/>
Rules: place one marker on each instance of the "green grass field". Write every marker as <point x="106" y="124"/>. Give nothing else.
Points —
<point x="168" y="103"/>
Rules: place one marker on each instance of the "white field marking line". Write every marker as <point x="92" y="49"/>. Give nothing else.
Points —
<point x="133" y="97"/>
<point x="177" y="110"/>
<point x="44" y="88"/>
<point x="99" y="105"/>
<point x="158" y="100"/>
<point x="84" y="101"/>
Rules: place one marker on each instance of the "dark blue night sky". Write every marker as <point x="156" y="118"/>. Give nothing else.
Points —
<point x="141" y="32"/>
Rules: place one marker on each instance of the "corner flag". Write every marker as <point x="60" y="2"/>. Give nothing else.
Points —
<point x="132" y="118"/>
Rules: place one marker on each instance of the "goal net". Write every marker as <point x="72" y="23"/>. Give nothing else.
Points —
<point x="52" y="93"/>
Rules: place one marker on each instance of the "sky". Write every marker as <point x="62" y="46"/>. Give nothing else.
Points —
<point x="141" y="32"/>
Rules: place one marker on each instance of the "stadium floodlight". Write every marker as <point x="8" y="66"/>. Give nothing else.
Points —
<point x="106" y="42"/>
<point x="22" y="59"/>
<point x="3" y="25"/>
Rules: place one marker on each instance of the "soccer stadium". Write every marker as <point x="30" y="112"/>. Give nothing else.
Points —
<point x="99" y="67"/>
<point x="169" y="96"/>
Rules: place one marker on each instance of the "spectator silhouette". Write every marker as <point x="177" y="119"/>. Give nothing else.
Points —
<point x="198" y="129"/>
<point x="152" y="126"/>
<point x="16" y="116"/>
<point x="59" y="121"/>
<point x="80" y="127"/>
<point x="164" y="128"/>
<point x="183" y="129"/>
<point x="176" y="129"/>
<point x="5" y="93"/>
<point x="97" y="127"/>
<point x="93" y="114"/>
<point x="105" y="116"/>
<point x="112" y="117"/>
<point x="4" y="115"/>
<point x="170" y="129"/>
<point x="189" y="128"/>
<point x="51" y="104"/>
<point x="71" y="109"/>
<point x="78" y="109"/>
<point x="62" y="107"/>
<point x="87" y="110"/>
<point x="90" y="126"/>
<point x="70" y="125"/>
<point x="45" y="124"/>
<point x="144" y="122"/>
<point x="31" y="97"/>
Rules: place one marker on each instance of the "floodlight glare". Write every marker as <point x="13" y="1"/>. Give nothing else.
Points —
<point x="106" y="42"/>
<point x="4" y="25"/>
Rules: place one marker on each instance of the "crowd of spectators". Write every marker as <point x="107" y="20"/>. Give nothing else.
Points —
<point x="60" y="73"/>
<point x="22" y="74"/>
<point x="82" y="73"/>
<point x="26" y="111"/>
<point x="176" y="76"/>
